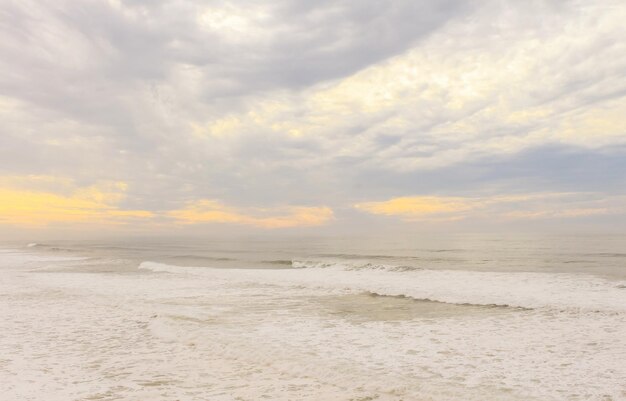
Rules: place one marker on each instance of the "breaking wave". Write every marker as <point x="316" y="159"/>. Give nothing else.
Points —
<point x="556" y="291"/>
<point x="428" y="300"/>
<point x="349" y="265"/>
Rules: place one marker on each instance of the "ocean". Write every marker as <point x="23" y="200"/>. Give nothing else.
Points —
<point x="431" y="317"/>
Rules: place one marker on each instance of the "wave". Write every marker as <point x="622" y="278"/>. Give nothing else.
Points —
<point x="386" y="256"/>
<point x="199" y="257"/>
<point x="281" y="262"/>
<point x="52" y="248"/>
<point x="608" y="254"/>
<point x="428" y="300"/>
<point x="352" y="265"/>
<point x="362" y="256"/>
<point x="555" y="291"/>
<point x="18" y="258"/>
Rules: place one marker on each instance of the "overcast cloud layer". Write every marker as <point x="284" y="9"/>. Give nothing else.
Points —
<point x="284" y="114"/>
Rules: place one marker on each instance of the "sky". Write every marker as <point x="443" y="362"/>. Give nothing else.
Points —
<point x="173" y="116"/>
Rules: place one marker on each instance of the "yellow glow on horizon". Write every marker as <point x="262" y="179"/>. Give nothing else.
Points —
<point x="416" y="206"/>
<point x="505" y="207"/>
<point x="210" y="211"/>
<point x="36" y="201"/>
<point x="31" y="207"/>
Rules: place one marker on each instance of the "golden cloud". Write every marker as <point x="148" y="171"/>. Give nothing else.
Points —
<point x="211" y="211"/>
<point x="417" y="206"/>
<point x="22" y="204"/>
<point x="34" y="201"/>
<point x="518" y="206"/>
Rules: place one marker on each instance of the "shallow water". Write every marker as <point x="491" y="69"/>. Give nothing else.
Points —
<point x="451" y="318"/>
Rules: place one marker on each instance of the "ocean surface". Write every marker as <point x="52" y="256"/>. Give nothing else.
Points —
<point x="441" y="317"/>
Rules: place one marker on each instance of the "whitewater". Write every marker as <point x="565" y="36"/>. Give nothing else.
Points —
<point x="512" y="319"/>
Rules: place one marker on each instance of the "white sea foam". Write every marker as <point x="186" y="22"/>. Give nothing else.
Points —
<point x="348" y="265"/>
<point x="15" y="258"/>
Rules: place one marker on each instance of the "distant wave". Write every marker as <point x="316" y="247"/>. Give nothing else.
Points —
<point x="362" y="256"/>
<point x="32" y="259"/>
<point x="385" y="256"/>
<point x="349" y="265"/>
<point x="52" y="248"/>
<point x="608" y="254"/>
<point x="283" y="262"/>
<point x="444" y="250"/>
<point x="198" y="257"/>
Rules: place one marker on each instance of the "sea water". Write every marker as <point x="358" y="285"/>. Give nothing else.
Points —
<point x="449" y="317"/>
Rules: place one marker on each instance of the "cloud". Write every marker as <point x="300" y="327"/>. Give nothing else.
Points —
<point x="417" y="206"/>
<point x="211" y="211"/>
<point x="35" y="201"/>
<point x="260" y="104"/>
<point x="97" y="204"/>
<point x="497" y="207"/>
<point x="462" y="96"/>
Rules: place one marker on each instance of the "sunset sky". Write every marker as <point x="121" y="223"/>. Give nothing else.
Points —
<point x="179" y="116"/>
